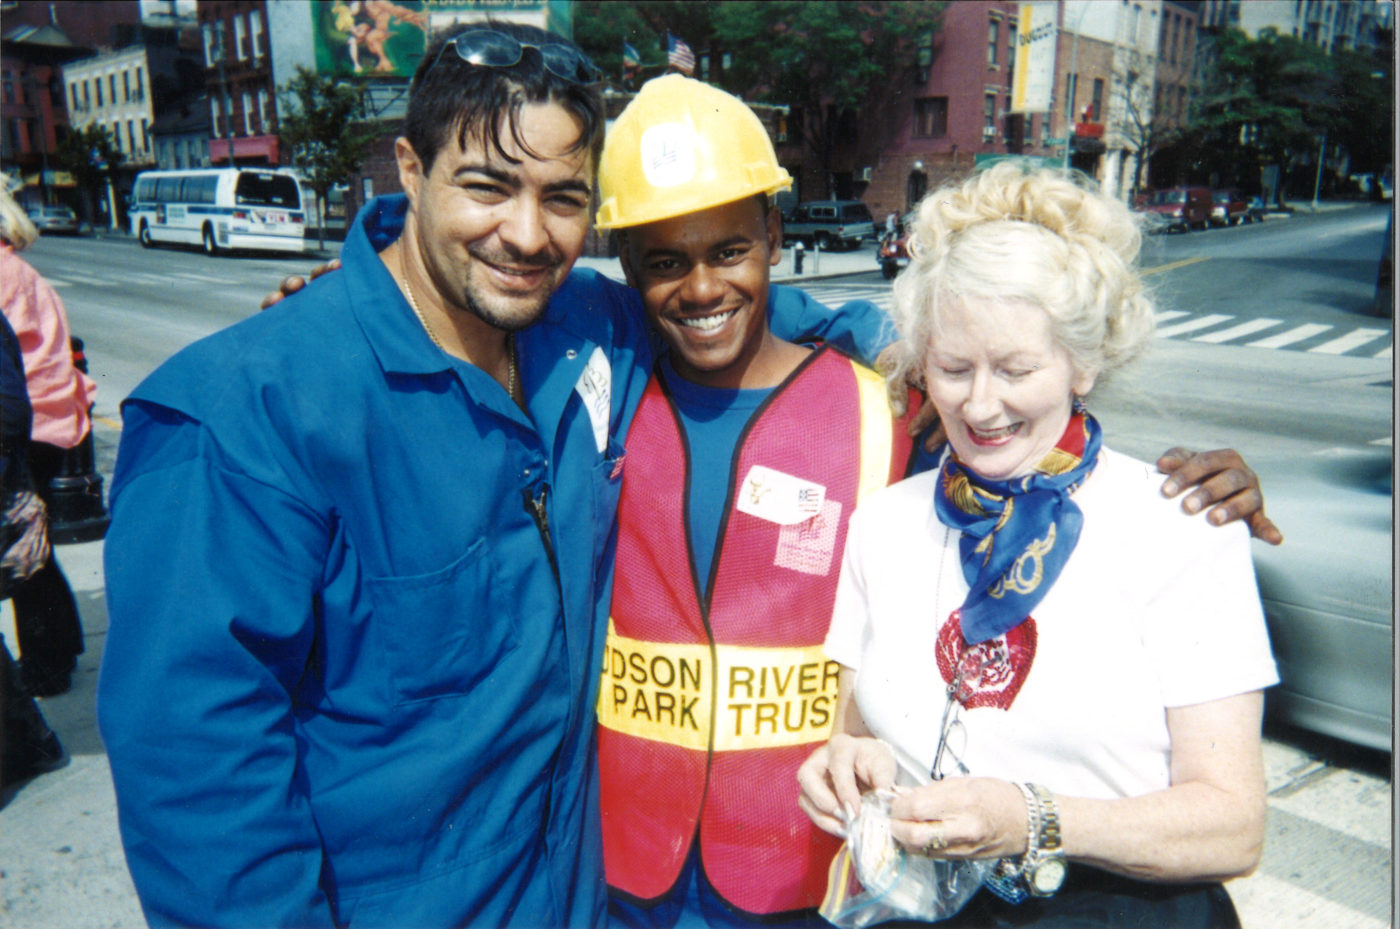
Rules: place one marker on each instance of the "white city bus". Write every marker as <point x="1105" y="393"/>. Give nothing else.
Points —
<point x="219" y="209"/>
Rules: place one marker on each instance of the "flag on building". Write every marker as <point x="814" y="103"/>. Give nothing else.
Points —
<point x="631" y="60"/>
<point x="679" y="55"/>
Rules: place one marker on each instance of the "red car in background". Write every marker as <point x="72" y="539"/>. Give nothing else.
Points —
<point x="1179" y="208"/>
<point x="1231" y="207"/>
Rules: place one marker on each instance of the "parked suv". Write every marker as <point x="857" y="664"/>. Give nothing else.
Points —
<point x="830" y="224"/>
<point x="1182" y="208"/>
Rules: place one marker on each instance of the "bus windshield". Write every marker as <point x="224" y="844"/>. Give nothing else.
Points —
<point x="254" y="189"/>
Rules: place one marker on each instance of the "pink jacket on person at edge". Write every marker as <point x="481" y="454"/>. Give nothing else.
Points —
<point x="59" y="392"/>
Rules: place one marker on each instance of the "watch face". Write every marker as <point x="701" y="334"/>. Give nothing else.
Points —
<point x="1049" y="875"/>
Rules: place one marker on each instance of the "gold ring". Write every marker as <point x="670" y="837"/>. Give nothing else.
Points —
<point x="936" y="843"/>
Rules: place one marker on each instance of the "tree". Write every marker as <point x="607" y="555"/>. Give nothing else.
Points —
<point x="91" y="155"/>
<point x="1143" y="129"/>
<point x="824" y="59"/>
<point x="600" y="32"/>
<point x="326" y="140"/>
<point x="1268" y="104"/>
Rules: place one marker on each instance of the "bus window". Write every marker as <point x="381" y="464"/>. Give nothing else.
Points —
<point x="167" y="189"/>
<point x="208" y="188"/>
<point x="144" y="190"/>
<point x="254" y="189"/>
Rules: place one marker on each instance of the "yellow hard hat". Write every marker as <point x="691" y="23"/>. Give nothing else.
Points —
<point x="679" y="147"/>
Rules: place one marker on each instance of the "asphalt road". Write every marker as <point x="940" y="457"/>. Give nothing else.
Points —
<point x="1328" y="858"/>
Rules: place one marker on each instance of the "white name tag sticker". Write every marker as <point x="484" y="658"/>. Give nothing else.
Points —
<point x="595" y="388"/>
<point x="779" y="498"/>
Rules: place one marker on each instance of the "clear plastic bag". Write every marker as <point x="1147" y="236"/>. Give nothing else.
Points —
<point x="874" y="880"/>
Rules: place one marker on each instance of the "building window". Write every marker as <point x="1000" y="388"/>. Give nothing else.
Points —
<point x="256" y="27"/>
<point x="87" y="101"/>
<point x="989" y="117"/>
<point x="98" y="84"/>
<point x="145" y="136"/>
<point x="931" y="117"/>
<point x="1097" y="115"/>
<point x="126" y="86"/>
<point x="140" y="89"/>
<point x="215" y="117"/>
<point x="993" y="33"/>
<point x="247" y="113"/>
<point x="239" y="34"/>
<point x="263" y="125"/>
<point x="1012" y="37"/>
<point x="72" y="88"/>
<point x="131" y="136"/>
<point x="210" y="44"/>
<point x="112" y="86"/>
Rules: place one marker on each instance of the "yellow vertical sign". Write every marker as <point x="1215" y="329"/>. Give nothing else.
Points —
<point x="1036" y="38"/>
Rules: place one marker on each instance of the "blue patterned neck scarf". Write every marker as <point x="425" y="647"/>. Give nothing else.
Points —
<point x="1017" y="534"/>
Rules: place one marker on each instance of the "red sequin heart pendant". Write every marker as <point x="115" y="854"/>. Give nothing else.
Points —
<point x="989" y="673"/>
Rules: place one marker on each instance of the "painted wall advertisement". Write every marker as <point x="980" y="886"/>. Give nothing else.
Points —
<point x="369" y="38"/>
<point x="385" y="38"/>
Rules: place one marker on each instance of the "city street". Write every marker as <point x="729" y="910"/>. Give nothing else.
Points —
<point x="1268" y="345"/>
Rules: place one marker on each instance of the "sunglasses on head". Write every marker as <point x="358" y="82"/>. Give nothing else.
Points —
<point x="487" y="48"/>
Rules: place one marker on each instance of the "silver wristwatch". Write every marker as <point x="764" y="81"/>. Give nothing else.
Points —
<point x="1044" y="867"/>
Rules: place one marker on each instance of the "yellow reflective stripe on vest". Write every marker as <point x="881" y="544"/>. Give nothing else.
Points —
<point x="771" y="697"/>
<point x="875" y="436"/>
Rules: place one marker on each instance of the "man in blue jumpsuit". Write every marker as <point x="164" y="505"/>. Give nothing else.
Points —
<point x="360" y="554"/>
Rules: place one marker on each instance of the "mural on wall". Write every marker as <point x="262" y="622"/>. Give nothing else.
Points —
<point x="369" y="38"/>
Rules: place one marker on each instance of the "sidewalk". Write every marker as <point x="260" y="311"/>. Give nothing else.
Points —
<point x="61" y="862"/>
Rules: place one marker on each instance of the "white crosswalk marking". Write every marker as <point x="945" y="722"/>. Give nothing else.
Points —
<point x="1213" y="328"/>
<point x="1204" y="322"/>
<point x="1354" y="339"/>
<point x="90" y="281"/>
<point x="1296" y="334"/>
<point x="1234" y="332"/>
<point x="202" y="278"/>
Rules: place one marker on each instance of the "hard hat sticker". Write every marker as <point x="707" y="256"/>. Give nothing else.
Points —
<point x="668" y="154"/>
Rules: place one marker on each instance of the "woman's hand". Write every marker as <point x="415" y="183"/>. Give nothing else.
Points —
<point x="961" y="817"/>
<point x="292" y="283"/>
<point x="1225" y="481"/>
<point x="835" y="775"/>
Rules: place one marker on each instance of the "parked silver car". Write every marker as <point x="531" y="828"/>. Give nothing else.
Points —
<point x="55" y="219"/>
<point x="1327" y="594"/>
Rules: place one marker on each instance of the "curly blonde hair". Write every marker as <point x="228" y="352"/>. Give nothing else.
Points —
<point x="1044" y="236"/>
<point x="15" y="225"/>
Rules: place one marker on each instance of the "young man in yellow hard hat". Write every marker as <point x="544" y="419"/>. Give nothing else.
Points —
<point x="744" y="461"/>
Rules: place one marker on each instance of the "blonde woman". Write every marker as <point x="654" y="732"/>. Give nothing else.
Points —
<point x="1057" y="667"/>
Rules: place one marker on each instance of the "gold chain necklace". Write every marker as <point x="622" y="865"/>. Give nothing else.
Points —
<point x="510" y="336"/>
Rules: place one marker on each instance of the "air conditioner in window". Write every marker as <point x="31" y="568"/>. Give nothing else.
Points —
<point x="864" y="174"/>
<point x="989" y="134"/>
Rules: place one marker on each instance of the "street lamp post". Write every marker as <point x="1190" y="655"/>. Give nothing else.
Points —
<point x="1321" y="157"/>
<point x="1072" y="85"/>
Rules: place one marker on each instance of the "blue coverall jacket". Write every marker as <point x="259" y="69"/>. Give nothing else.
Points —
<point x="357" y="601"/>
